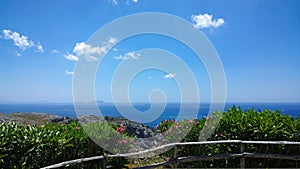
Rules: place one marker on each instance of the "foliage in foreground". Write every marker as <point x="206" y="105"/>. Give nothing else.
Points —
<point x="237" y="124"/>
<point x="39" y="146"/>
<point x="24" y="146"/>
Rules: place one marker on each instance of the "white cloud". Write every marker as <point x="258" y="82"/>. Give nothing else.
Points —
<point x="16" y="53"/>
<point x="84" y="49"/>
<point x="40" y="48"/>
<point x="90" y="52"/>
<point x="90" y="58"/>
<point x="54" y="51"/>
<point x="128" y="2"/>
<point x="70" y="57"/>
<point x="170" y="75"/>
<point x="129" y="55"/>
<point x="133" y="55"/>
<point x="112" y="40"/>
<point x="115" y="2"/>
<point x="205" y="21"/>
<point x="69" y="72"/>
<point x="120" y="57"/>
<point x="21" y="41"/>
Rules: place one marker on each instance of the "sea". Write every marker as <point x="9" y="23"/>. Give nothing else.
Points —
<point x="171" y="110"/>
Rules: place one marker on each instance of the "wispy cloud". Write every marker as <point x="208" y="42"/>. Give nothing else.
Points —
<point x="120" y="57"/>
<point x="133" y="55"/>
<point x="69" y="72"/>
<point x="112" y="40"/>
<point x="205" y="21"/>
<point x="40" y="48"/>
<point x="21" y="41"/>
<point x="170" y="75"/>
<point x="88" y="51"/>
<point x="16" y="53"/>
<point x="128" y="2"/>
<point x="54" y="51"/>
<point x="129" y="55"/>
<point x="115" y="2"/>
<point x="70" y="57"/>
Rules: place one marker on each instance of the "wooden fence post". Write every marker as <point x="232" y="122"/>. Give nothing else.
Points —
<point x="103" y="163"/>
<point x="175" y="156"/>
<point x="242" y="160"/>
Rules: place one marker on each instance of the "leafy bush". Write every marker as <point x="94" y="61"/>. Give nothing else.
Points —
<point x="39" y="146"/>
<point x="24" y="146"/>
<point x="237" y="124"/>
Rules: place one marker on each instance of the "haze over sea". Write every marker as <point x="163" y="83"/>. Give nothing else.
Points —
<point x="171" y="111"/>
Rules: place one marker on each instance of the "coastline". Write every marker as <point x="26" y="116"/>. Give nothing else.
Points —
<point x="171" y="111"/>
<point x="35" y="118"/>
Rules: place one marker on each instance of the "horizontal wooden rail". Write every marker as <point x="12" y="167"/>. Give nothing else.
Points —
<point x="74" y="162"/>
<point x="191" y="159"/>
<point x="271" y="142"/>
<point x="221" y="156"/>
<point x="143" y="153"/>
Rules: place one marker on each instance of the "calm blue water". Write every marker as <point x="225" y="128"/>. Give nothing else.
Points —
<point x="170" y="112"/>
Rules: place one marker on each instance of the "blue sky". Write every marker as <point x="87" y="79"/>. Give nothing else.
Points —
<point x="257" y="41"/>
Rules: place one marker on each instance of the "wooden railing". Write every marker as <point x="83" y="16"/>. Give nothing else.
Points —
<point x="176" y="160"/>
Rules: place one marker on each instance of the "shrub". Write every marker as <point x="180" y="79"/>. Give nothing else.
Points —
<point x="24" y="146"/>
<point x="39" y="146"/>
<point x="236" y="124"/>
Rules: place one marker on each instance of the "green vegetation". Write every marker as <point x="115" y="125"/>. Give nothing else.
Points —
<point x="23" y="146"/>
<point x="38" y="146"/>
<point x="237" y="124"/>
